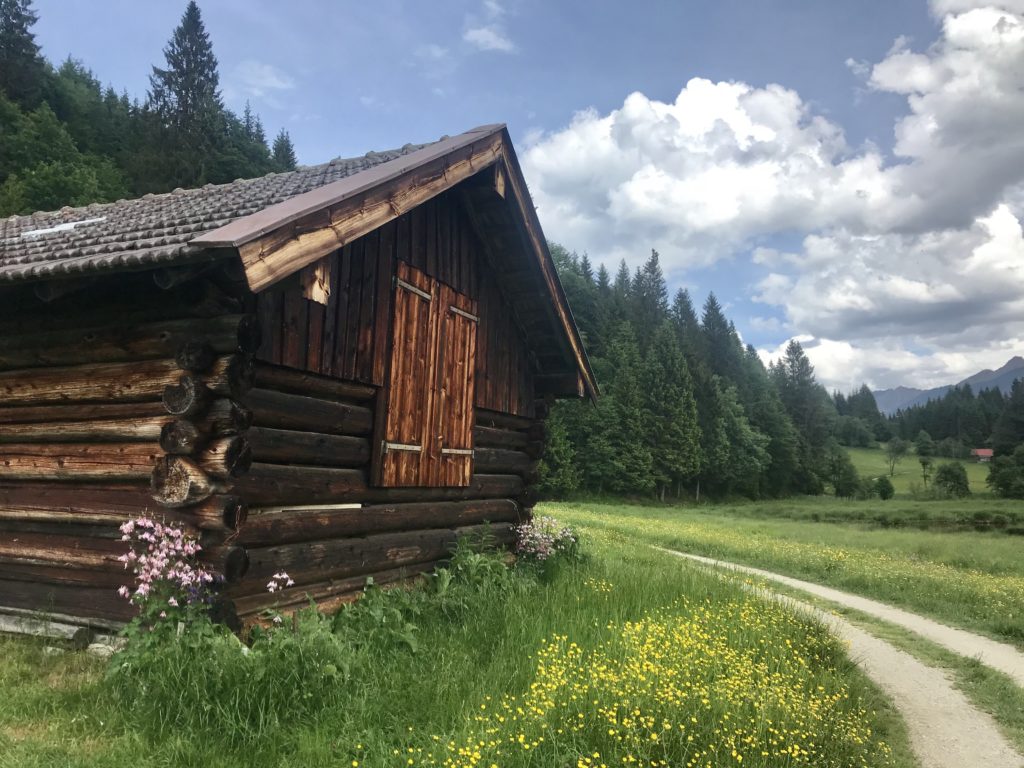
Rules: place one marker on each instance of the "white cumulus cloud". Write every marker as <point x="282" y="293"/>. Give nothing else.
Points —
<point x="910" y="260"/>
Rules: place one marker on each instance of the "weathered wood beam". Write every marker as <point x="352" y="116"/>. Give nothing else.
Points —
<point x="342" y="557"/>
<point x="118" y="342"/>
<point x="289" y="249"/>
<point x="276" y="484"/>
<point x="298" y="524"/>
<point x="492" y="437"/>
<point x="41" y="414"/>
<point x="328" y="594"/>
<point x="77" y="461"/>
<point x="281" y="410"/>
<point x="295" y="382"/>
<point x="115" y="382"/>
<point x="98" y="430"/>
<point x="286" y="446"/>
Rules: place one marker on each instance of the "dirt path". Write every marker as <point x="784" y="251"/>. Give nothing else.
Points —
<point x="945" y="730"/>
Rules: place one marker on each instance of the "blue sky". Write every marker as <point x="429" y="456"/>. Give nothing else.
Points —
<point x="822" y="166"/>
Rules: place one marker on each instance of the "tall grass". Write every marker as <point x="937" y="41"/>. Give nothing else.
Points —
<point x="970" y="579"/>
<point x="456" y="673"/>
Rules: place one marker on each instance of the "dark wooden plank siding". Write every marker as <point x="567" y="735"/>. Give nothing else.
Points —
<point x="350" y="337"/>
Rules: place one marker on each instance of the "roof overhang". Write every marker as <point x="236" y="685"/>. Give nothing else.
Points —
<point x="282" y="239"/>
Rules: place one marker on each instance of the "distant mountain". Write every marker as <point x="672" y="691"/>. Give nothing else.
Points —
<point x="891" y="400"/>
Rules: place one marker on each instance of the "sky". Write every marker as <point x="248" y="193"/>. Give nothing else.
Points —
<point x="849" y="173"/>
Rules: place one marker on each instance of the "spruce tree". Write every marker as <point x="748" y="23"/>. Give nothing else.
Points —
<point x="631" y="466"/>
<point x="672" y="433"/>
<point x="722" y="348"/>
<point x="184" y="98"/>
<point x="649" y="299"/>
<point x="186" y="94"/>
<point x="284" y="152"/>
<point x="22" y="69"/>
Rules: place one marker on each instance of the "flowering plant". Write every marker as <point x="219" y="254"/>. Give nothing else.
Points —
<point x="545" y="537"/>
<point x="169" y="581"/>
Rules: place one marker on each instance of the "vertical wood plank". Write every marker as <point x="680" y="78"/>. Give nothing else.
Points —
<point x="382" y="309"/>
<point x="417" y="237"/>
<point x="354" y="306"/>
<point x="341" y="321"/>
<point x="268" y="320"/>
<point x="430" y="237"/>
<point x="326" y="364"/>
<point x="296" y="320"/>
<point x="367" y="307"/>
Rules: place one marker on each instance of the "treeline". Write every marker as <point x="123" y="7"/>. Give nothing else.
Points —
<point x="961" y="420"/>
<point x="686" y="408"/>
<point x="67" y="140"/>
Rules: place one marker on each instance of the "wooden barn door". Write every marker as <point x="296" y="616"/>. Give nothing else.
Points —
<point x="427" y="433"/>
<point x="455" y="396"/>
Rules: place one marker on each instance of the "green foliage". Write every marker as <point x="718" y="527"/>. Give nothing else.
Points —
<point x="951" y="479"/>
<point x="64" y="140"/>
<point x="884" y="488"/>
<point x="1008" y="431"/>
<point x="196" y="677"/>
<point x="284" y="152"/>
<point x="686" y="408"/>
<point x="672" y="433"/>
<point x="924" y="445"/>
<point x="22" y="69"/>
<point x="958" y="415"/>
<point x="842" y="474"/>
<point x="1006" y="474"/>
<point x="854" y="432"/>
<point x="895" y="451"/>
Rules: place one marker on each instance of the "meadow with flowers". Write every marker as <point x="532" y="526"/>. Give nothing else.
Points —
<point x="619" y="656"/>
<point x="968" y="578"/>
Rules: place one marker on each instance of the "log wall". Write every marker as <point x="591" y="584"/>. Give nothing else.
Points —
<point x="81" y="422"/>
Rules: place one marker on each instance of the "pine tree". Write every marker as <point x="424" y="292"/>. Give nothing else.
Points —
<point x="721" y="345"/>
<point x="586" y="270"/>
<point x="631" y="468"/>
<point x="284" y="152"/>
<point x="186" y="94"/>
<point x="190" y="129"/>
<point x="672" y="433"/>
<point x="649" y="299"/>
<point x="248" y="121"/>
<point x="22" y="69"/>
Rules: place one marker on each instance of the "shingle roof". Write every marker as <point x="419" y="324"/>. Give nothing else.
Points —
<point x="154" y="229"/>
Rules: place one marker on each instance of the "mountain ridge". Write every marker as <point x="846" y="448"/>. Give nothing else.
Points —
<point x="896" y="398"/>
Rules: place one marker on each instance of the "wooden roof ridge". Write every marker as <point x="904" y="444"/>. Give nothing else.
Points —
<point x="279" y="240"/>
<point x="247" y="228"/>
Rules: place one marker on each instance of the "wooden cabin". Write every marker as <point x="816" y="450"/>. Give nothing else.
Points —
<point x="335" y="372"/>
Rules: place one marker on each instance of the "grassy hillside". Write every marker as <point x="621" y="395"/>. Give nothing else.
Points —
<point x="871" y="462"/>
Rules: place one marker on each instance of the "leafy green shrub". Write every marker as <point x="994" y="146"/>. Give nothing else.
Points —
<point x="884" y="488"/>
<point x="951" y="480"/>
<point x="1006" y="474"/>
